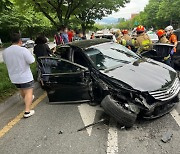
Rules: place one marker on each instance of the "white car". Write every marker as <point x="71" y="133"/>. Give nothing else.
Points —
<point x="0" y="43"/>
<point x="27" y="43"/>
<point x="106" y="35"/>
<point x="153" y="37"/>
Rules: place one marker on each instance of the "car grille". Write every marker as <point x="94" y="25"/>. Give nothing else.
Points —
<point x="167" y="93"/>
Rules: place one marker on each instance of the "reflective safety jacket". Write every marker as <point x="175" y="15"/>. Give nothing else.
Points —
<point x="127" y="40"/>
<point x="143" y="42"/>
<point x="163" y="39"/>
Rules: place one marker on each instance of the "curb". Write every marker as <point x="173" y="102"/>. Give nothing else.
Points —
<point x="15" y="99"/>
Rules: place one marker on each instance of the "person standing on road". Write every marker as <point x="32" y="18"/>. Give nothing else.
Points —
<point x="162" y="36"/>
<point x="143" y="42"/>
<point x="18" y="60"/>
<point x="171" y="36"/>
<point x="70" y="35"/>
<point x="92" y="36"/>
<point x="64" y="34"/>
<point x="173" y="40"/>
<point x="126" y="40"/>
<point x="162" y="39"/>
<point x="58" y="38"/>
<point x="41" y="48"/>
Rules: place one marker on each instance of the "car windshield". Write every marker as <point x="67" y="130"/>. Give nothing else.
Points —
<point x="110" y="55"/>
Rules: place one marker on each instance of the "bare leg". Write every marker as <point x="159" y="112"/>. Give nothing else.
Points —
<point x="28" y="93"/>
<point x="22" y="93"/>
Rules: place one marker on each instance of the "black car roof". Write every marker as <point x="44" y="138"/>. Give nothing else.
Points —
<point x="88" y="43"/>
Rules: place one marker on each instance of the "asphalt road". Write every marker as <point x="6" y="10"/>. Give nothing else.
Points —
<point x="53" y="130"/>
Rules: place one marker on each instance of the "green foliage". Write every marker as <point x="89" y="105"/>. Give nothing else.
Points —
<point x="31" y="17"/>
<point x="5" y="5"/>
<point x="62" y="12"/>
<point x="26" y="21"/>
<point x="93" y="9"/>
<point x="6" y="87"/>
<point x="157" y="14"/>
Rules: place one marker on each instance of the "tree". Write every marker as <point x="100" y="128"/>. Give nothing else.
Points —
<point x="5" y="5"/>
<point x="160" y="13"/>
<point x="60" y="12"/>
<point x="169" y="12"/>
<point x="96" y="9"/>
<point x="26" y="21"/>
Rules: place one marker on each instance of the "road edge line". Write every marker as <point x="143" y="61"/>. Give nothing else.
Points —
<point x="13" y="122"/>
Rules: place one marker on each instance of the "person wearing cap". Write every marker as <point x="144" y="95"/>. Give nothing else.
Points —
<point x="162" y="36"/>
<point x="143" y="42"/>
<point x="173" y="40"/>
<point x="126" y="40"/>
<point x="171" y="36"/>
<point x="162" y="39"/>
<point x="118" y="36"/>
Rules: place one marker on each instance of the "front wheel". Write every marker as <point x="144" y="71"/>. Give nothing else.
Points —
<point x="123" y="116"/>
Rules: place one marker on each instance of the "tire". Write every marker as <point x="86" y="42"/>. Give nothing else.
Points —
<point x="113" y="108"/>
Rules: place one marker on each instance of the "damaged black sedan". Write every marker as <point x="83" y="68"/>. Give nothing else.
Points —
<point x="125" y="84"/>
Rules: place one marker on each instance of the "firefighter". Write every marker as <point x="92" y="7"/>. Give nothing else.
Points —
<point x="127" y="40"/>
<point x="162" y="36"/>
<point x="162" y="39"/>
<point x="118" y="36"/>
<point x="143" y="42"/>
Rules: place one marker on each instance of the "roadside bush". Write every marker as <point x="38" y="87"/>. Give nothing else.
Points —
<point x="6" y="87"/>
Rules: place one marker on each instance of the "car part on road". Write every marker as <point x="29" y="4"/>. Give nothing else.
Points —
<point x="123" y="116"/>
<point x="60" y="132"/>
<point x="95" y="123"/>
<point x="167" y="136"/>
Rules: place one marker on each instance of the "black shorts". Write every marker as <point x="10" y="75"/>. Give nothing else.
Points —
<point x="25" y="85"/>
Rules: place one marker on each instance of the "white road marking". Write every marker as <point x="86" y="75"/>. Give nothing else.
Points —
<point x="112" y="143"/>
<point x="176" y="116"/>
<point x="88" y="113"/>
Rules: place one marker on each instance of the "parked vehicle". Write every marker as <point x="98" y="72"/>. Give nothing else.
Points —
<point x="101" y="71"/>
<point x="1" y="43"/>
<point x="153" y="37"/>
<point x="105" y="35"/>
<point x="28" y="43"/>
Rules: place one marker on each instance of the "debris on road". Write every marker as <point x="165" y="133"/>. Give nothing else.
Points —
<point x="95" y="123"/>
<point x="167" y="136"/>
<point x="60" y="132"/>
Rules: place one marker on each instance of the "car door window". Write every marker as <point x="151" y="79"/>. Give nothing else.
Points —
<point x="64" y="52"/>
<point x="54" y="66"/>
<point x="80" y="59"/>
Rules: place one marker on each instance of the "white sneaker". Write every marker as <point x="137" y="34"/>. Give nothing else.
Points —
<point x="29" y="114"/>
<point x="33" y="97"/>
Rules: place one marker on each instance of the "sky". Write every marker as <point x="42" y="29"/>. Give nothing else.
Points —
<point x="135" y="6"/>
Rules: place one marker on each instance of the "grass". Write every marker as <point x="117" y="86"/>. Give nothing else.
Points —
<point x="5" y="45"/>
<point x="7" y="89"/>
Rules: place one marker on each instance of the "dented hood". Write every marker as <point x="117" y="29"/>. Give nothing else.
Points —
<point x="144" y="75"/>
